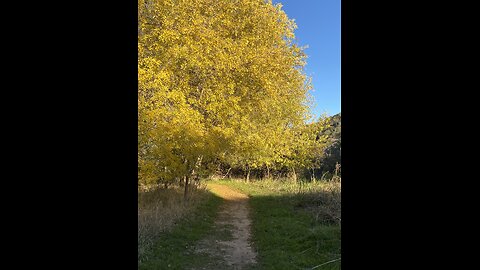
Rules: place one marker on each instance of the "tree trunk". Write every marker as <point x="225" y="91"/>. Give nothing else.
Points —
<point x="227" y="174"/>
<point x="268" y="172"/>
<point x="294" y="174"/>
<point x="248" y="174"/>
<point x="195" y="177"/>
<point x="185" y="193"/>
<point x="313" y="175"/>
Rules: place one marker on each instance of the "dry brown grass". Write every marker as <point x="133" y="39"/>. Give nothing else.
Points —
<point x="160" y="209"/>
<point x="326" y="205"/>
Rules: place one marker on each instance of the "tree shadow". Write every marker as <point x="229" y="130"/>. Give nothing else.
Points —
<point x="289" y="233"/>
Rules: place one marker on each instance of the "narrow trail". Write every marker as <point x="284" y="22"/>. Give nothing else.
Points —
<point x="229" y="244"/>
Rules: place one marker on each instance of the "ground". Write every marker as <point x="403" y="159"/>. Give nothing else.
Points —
<point x="230" y="244"/>
<point x="273" y="227"/>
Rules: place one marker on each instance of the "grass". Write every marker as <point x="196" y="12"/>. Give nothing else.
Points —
<point x="168" y="228"/>
<point x="295" y="226"/>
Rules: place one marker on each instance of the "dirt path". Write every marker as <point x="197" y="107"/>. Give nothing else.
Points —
<point x="229" y="244"/>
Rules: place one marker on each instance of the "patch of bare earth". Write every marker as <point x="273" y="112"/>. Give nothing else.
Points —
<point x="229" y="244"/>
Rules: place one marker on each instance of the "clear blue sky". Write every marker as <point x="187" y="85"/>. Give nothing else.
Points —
<point x="318" y="23"/>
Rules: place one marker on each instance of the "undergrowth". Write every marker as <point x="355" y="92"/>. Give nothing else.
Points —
<point x="160" y="210"/>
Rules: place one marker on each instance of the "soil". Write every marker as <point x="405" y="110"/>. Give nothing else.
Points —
<point x="229" y="245"/>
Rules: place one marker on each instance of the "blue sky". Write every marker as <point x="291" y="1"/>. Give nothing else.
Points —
<point x="318" y="23"/>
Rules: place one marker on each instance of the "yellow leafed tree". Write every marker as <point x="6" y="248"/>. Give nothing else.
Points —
<point x="217" y="80"/>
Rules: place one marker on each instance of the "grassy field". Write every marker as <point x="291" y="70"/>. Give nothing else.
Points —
<point x="295" y="226"/>
<point x="168" y="227"/>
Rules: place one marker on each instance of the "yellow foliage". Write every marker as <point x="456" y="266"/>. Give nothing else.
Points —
<point x="216" y="80"/>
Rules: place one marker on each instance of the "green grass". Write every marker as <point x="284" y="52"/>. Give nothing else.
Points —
<point x="286" y="233"/>
<point x="174" y="249"/>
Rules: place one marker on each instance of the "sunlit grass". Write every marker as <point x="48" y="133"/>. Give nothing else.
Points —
<point x="295" y="225"/>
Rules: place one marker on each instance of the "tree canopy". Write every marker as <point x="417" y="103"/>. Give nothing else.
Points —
<point x="219" y="82"/>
